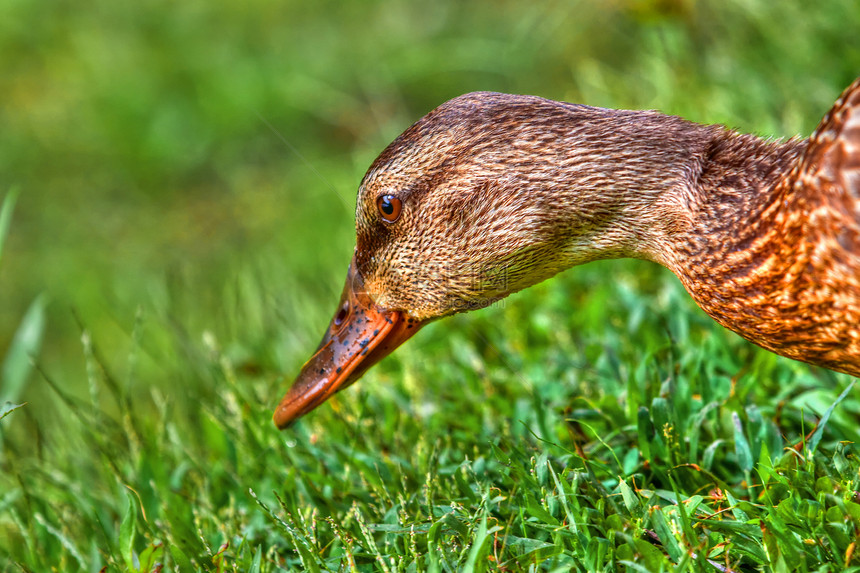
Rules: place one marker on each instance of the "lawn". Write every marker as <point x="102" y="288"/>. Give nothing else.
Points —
<point x="176" y="218"/>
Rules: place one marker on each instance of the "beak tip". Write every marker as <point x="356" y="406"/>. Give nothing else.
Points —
<point x="279" y="422"/>
<point x="284" y="417"/>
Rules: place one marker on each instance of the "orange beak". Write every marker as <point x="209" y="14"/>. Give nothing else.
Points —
<point x="360" y="335"/>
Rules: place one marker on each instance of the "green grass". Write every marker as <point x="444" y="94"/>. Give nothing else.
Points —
<point x="522" y="435"/>
<point x="164" y="277"/>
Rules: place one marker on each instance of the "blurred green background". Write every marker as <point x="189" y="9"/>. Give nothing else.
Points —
<point x="157" y="142"/>
<point x="187" y="171"/>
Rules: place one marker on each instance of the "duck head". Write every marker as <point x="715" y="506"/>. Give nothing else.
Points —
<point x="480" y="198"/>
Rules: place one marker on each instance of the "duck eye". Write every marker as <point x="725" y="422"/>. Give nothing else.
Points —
<point x="389" y="207"/>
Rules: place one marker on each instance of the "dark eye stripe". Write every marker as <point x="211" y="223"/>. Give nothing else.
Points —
<point x="389" y="207"/>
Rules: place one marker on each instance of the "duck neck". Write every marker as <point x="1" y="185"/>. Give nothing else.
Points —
<point x="684" y="195"/>
<point x="703" y="201"/>
<point x="726" y="257"/>
<point x="616" y="183"/>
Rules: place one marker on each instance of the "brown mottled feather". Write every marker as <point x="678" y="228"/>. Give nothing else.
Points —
<point x="501" y="192"/>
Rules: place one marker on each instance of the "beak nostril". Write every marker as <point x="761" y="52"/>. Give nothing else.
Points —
<point x="342" y="314"/>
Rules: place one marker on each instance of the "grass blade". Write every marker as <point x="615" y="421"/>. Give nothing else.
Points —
<point x="742" y="446"/>
<point x="6" y="216"/>
<point x="480" y="548"/>
<point x="25" y="345"/>
<point x="8" y="408"/>
<point x="127" y="530"/>
<point x="819" y="431"/>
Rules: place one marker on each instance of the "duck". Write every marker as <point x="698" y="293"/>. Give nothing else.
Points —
<point x="491" y="193"/>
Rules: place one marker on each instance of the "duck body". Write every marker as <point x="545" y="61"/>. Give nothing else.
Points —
<point x="491" y="193"/>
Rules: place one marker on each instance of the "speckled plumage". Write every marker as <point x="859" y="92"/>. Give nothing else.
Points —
<point x="498" y="192"/>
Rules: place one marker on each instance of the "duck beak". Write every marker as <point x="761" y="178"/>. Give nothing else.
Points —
<point x="360" y="335"/>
